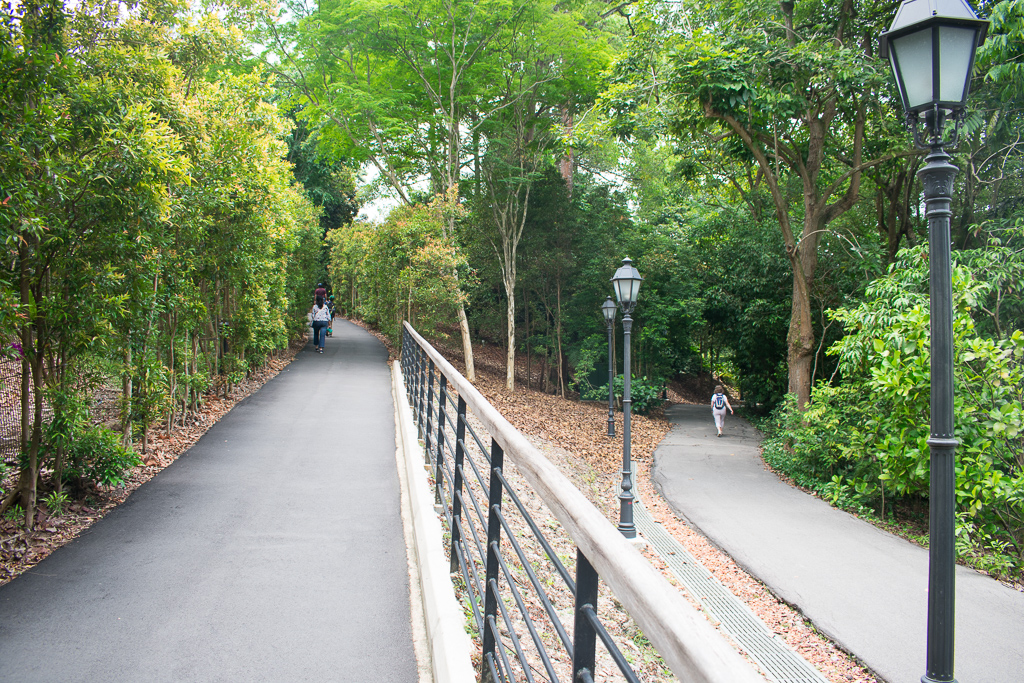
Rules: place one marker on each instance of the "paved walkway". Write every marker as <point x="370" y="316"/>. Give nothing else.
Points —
<point x="862" y="587"/>
<point x="271" y="551"/>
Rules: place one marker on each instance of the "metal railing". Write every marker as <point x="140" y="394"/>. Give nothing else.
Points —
<point x="520" y="590"/>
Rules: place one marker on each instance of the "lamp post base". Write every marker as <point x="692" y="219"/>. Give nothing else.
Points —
<point x="626" y="526"/>
<point x="928" y="679"/>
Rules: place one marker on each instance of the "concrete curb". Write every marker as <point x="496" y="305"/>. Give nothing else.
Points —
<point x="450" y="648"/>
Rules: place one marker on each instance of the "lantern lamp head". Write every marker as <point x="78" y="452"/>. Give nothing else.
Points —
<point x="609" y="309"/>
<point x="627" y="285"/>
<point x="931" y="46"/>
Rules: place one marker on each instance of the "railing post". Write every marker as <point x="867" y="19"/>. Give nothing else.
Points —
<point x="411" y="375"/>
<point x="405" y="360"/>
<point x="584" y="637"/>
<point x="420" y="373"/>
<point x="411" y="381"/>
<point x="460" y="457"/>
<point x="442" y="402"/>
<point x="491" y="596"/>
<point x="410" y="372"/>
<point x="416" y="388"/>
<point x="428" y="430"/>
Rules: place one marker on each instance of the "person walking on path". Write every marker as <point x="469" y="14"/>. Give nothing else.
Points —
<point x="321" y="319"/>
<point x="719" y="402"/>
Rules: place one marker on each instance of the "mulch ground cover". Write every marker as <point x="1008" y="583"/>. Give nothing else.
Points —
<point x="579" y="432"/>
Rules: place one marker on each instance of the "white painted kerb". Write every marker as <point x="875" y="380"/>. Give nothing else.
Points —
<point x="450" y="646"/>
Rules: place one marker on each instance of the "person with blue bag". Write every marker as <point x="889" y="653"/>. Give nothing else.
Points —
<point x="719" y="402"/>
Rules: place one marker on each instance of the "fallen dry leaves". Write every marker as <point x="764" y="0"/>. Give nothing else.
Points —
<point x="573" y="435"/>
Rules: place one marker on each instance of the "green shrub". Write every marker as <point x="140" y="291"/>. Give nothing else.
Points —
<point x="55" y="502"/>
<point x="98" y="455"/>
<point x="644" y="395"/>
<point x="864" y="443"/>
<point x="15" y="514"/>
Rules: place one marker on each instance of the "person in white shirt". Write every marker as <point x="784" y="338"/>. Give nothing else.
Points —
<point x="321" y="318"/>
<point x="719" y="402"/>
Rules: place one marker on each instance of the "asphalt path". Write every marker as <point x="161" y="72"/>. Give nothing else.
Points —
<point x="862" y="587"/>
<point x="271" y="551"/>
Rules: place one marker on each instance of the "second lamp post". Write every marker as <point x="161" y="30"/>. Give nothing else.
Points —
<point x="627" y="285"/>
<point x="608" y="309"/>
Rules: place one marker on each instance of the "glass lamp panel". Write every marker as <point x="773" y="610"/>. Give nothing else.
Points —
<point x="956" y="52"/>
<point x="621" y="290"/>
<point x="911" y="56"/>
<point x="634" y="289"/>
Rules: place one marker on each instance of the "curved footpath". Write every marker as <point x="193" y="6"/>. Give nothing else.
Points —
<point x="273" y="550"/>
<point x="862" y="587"/>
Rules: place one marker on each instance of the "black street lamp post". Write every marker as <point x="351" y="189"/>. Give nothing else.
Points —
<point x="608" y="309"/>
<point x="627" y="285"/>
<point x="931" y="46"/>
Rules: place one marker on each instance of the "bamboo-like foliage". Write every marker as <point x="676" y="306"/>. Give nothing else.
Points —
<point x="151" y="228"/>
<point x="403" y="268"/>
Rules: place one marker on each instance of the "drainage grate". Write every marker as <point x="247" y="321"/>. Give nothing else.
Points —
<point x="774" y="657"/>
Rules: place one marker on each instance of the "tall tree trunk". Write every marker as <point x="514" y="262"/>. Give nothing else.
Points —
<point x="216" y="336"/>
<point x="547" y="352"/>
<point x="32" y="494"/>
<point x="806" y="161"/>
<point x="800" y="341"/>
<point x="467" y="341"/>
<point x="526" y="317"/>
<point x="467" y="344"/>
<point x="558" y="334"/>
<point x="26" y="479"/>
<point x="185" y="373"/>
<point x="477" y="195"/>
<point x="26" y="346"/>
<point x="510" y="219"/>
<point x="61" y="378"/>
<point x="172" y="325"/>
<point x="510" y="357"/>
<point x="195" y="371"/>
<point x="126" y="394"/>
<point x="144" y="387"/>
